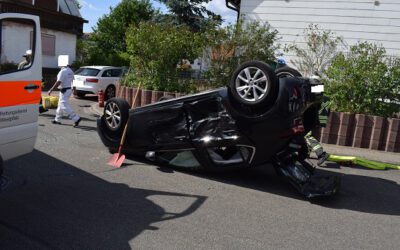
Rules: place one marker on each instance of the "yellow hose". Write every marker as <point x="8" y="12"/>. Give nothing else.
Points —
<point x="362" y="162"/>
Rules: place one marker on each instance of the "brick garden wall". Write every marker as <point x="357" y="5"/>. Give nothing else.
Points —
<point x="362" y="131"/>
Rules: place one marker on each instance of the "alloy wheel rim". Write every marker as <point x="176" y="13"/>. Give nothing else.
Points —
<point x="113" y="115"/>
<point x="252" y="84"/>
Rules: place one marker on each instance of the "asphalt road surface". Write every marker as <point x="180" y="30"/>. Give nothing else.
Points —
<point x="65" y="196"/>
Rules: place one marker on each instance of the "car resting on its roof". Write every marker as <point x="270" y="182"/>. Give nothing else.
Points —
<point x="257" y="119"/>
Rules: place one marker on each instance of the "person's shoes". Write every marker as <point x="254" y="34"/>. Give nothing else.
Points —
<point x="324" y="156"/>
<point x="76" y="124"/>
<point x="56" y="122"/>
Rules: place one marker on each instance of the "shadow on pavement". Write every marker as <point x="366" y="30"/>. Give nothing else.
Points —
<point x="86" y="128"/>
<point x="53" y="205"/>
<point x="358" y="193"/>
<point x="88" y="97"/>
<point x="65" y="118"/>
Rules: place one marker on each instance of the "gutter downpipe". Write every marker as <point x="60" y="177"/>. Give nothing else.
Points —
<point x="233" y="8"/>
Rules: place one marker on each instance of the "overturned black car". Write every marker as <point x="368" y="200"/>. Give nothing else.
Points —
<point x="258" y="119"/>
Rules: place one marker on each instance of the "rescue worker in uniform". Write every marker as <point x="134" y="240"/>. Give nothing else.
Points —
<point x="27" y="60"/>
<point x="64" y="83"/>
<point x="313" y="144"/>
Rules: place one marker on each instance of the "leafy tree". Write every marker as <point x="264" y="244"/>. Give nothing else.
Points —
<point x="234" y="44"/>
<point x="192" y="13"/>
<point x="155" y="50"/>
<point x="321" y="47"/>
<point x="106" y="45"/>
<point x="364" y="81"/>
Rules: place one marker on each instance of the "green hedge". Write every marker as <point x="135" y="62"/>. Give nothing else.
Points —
<point x="364" y="81"/>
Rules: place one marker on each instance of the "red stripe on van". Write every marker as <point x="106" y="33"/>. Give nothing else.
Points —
<point x="14" y="93"/>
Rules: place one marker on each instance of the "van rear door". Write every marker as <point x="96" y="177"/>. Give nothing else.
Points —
<point x="20" y="83"/>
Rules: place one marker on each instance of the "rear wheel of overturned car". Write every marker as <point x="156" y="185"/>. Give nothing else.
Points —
<point x="116" y="114"/>
<point x="254" y="84"/>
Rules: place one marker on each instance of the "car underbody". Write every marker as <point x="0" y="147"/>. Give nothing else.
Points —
<point x="216" y="131"/>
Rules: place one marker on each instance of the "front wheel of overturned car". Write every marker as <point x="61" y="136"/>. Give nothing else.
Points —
<point x="287" y="71"/>
<point x="116" y="115"/>
<point x="254" y="84"/>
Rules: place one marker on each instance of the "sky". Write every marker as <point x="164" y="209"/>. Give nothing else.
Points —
<point x="92" y="10"/>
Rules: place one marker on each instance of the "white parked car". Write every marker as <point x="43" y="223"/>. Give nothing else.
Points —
<point x="92" y="79"/>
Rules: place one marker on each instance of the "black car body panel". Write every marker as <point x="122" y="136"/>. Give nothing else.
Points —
<point x="211" y="119"/>
<point x="213" y="131"/>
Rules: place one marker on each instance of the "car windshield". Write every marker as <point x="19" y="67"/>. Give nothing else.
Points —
<point x="87" y="72"/>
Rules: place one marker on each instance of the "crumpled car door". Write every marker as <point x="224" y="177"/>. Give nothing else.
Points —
<point x="160" y="126"/>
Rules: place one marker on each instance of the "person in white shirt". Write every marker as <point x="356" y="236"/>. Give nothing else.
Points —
<point x="64" y="83"/>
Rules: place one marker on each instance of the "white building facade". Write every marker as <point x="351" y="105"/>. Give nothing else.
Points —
<point x="61" y="25"/>
<point x="354" y="20"/>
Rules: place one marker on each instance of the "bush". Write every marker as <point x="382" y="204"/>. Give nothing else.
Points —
<point x="364" y="81"/>
<point x="229" y="46"/>
<point x="155" y="51"/>
<point x="321" y="47"/>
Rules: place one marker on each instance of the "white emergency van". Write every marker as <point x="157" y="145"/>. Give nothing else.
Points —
<point x="20" y="83"/>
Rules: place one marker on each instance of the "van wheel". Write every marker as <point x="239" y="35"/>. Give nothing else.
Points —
<point x="109" y="93"/>
<point x="116" y="114"/>
<point x="254" y="84"/>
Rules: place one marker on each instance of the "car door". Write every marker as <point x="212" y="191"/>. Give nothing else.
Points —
<point x="159" y="126"/>
<point x="20" y="83"/>
<point x="106" y="79"/>
<point x="116" y="75"/>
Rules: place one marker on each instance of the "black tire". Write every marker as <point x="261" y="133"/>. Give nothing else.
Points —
<point x="1" y="167"/>
<point x="80" y="94"/>
<point x="258" y="92"/>
<point x="116" y="115"/>
<point x="287" y="71"/>
<point x="109" y="93"/>
<point x="113" y="150"/>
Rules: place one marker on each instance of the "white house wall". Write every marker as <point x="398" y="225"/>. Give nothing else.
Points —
<point x="65" y="45"/>
<point x="16" y="38"/>
<point x="354" y="20"/>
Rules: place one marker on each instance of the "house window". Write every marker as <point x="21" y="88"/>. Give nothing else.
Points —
<point x="48" y="45"/>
